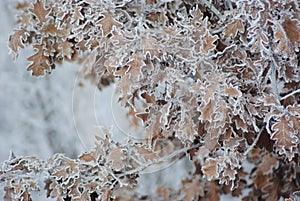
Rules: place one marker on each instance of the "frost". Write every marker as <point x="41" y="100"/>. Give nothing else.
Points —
<point x="218" y="81"/>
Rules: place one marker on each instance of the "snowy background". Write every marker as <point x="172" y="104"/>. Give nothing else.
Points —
<point x="36" y="113"/>
<point x="43" y="116"/>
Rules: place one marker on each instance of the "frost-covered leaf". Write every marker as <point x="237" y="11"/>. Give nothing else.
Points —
<point x="208" y="43"/>
<point x="292" y="29"/>
<point x="233" y="28"/>
<point x="87" y="157"/>
<point x="192" y="190"/>
<point x="150" y="46"/>
<point x="16" y="40"/>
<point x="51" y="29"/>
<point x="285" y="137"/>
<point x="116" y="157"/>
<point x="283" y="45"/>
<point x="67" y="49"/>
<point x="40" y="11"/>
<point x="207" y="111"/>
<point x="40" y="63"/>
<point x="146" y="153"/>
<point x="213" y="191"/>
<point x="210" y="169"/>
<point x="106" y="195"/>
<point x="107" y="23"/>
<point x="136" y="63"/>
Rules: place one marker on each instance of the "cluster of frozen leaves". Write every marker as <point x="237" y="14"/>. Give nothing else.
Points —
<point x="106" y="172"/>
<point x="223" y="75"/>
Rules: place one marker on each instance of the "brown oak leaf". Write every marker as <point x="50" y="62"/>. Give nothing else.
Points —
<point x="292" y="29"/>
<point x="208" y="42"/>
<point x="66" y="49"/>
<point x="210" y="169"/>
<point x="213" y="191"/>
<point x="17" y="39"/>
<point x="192" y="190"/>
<point x="107" y="23"/>
<point x="116" y="157"/>
<point x="207" y="111"/>
<point x="261" y="181"/>
<point x="40" y="11"/>
<point x="284" y="136"/>
<point x="40" y="63"/>
<point x="268" y="163"/>
<point x="51" y="29"/>
<point x="136" y="63"/>
<point x="233" y="28"/>
<point x="282" y="41"/>
<point x="147" y="154"/>
<point x="150" y="46"/>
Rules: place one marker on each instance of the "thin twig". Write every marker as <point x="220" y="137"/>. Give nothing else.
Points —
<point x="136" y="160"/>
<point x="175" y="153"/>
<point x="117" y="179"/>
<point x="290" y="94"/>
<point x="274" y="81"/>
<point x="254" y="142"/>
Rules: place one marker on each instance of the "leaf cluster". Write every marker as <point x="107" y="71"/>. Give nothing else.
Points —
<point x="219" y="80"/>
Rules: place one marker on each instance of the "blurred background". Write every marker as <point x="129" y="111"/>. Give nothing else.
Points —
<point x="36" y="113"/>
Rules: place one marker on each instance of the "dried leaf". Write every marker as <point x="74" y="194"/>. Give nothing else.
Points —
<point x="150" y="47"/>
<point x="108" y="23"/>
<point x="192" y="190"/>
<point x="66" y="49"/>
<point x="106" y="195"/>
<point x="283" y="45"/>
<point x="207" y="111"/>
<point x="116" y="157"/>
<point x="210" y="169"/>
<point x="268" y="163"/>
<point x="233" y="28"/>
<point x="261" y="181"/>
<point x="40" y="63"/>
<point x="16" y="40"/>
<point x="284" y="136"/>
<point x="51" y="29"/>
<point x="87" y="157"/>
<point x="135" y="64"/>
<point x="292" y="29"/>
<point x="147" y="154"/>
<point x="40" y="11"/>
<point x="213" y="191"/>
<point x="208" y="43"/>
